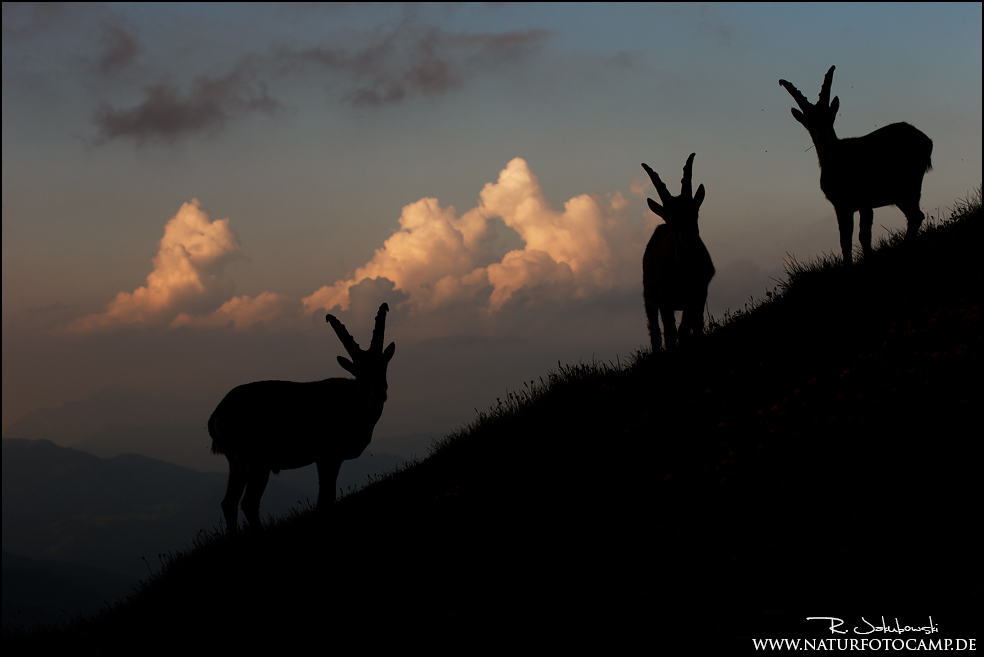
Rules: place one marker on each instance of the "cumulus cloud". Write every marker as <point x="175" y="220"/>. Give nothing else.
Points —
<point x="438" y="272"/>
<point x="439" y="259"/>
<point x="408" y="61"/>
<point x="168" y="114"/>
<point x="640" y="186"/>
<point x="267" y="308"/>
<point x="186" y="275"/>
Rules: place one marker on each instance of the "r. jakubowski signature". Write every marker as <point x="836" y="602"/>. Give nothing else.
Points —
<point x="898" y="628"/>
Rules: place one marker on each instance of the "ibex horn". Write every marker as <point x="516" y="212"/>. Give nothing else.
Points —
<point x="377" y="333"/>
<point x="800" y="99"/>
<point x="825" y="89"/>
<point x="351" y="346"/>
<point x="686" y="188"/>
<point x="664" y="194"/>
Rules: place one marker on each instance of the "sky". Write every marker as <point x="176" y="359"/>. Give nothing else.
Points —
<point x="188" y="189"/>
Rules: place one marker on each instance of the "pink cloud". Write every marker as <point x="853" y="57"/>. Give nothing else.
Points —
<point x="438" y="258"/>
<point x="439" y="264"/>
<point x="268" y="308"/>
<point x="186" y="272"/>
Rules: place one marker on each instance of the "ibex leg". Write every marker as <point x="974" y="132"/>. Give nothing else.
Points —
<point x="698" y="311"/>
<point x="914" y="218"/>
<point x="255" y="485"/>
<point x="845" y="222"/>
<point x="669" y="326"/>
<point x="238" y="472"/>
<point x="867" y="218"/>
<point x="652" y="322"/>
<point x="327" y="478"/>
<point x="692" y="322"/>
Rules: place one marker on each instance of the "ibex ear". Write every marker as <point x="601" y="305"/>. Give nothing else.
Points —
<point x="655" y="207"/>
<point x="346" y="364"/>
<point x="388" y="353"/>
<point x="699" y="196"/>
<point x="834" y="105"/>
<point x="798" y="115"/>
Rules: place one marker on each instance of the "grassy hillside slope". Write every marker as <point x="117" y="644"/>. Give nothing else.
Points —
<point x="818" y="456"/>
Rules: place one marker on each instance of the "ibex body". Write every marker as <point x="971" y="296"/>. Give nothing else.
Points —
<point x="676" y="268"/>
<point x="269" y="426"/>
<point x="859" y="174"/>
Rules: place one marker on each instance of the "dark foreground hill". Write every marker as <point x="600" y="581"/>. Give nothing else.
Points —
<point x="38" y="591"/>
<point x="819" y="456"/>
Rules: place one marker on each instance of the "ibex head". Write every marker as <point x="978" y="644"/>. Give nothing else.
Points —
<point x="679" y="212"/>
<point x="366" y="365"/>
<point x="815" y="118"/>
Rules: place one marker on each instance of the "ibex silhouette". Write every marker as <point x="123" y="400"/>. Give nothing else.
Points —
<point x="676" y="268"/>
<point x="279" y="425"/>
<point x="885" y="167"/>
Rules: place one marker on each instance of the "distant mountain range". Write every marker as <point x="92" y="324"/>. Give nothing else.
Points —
<point x="91" y="527"/>
<point x="74" y="421"/>
<point x="68" y="506"/>
<point x="119" y="420"/>
<point x="92" y="487"/>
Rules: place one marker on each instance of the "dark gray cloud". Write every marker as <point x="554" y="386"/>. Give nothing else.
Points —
<point x="145" y="99"/>
<point x="625" y="59"/>
<point x="397" y="65"/>
<point x="709" y="23"/>
<point x="167" y="114"/>
<point x="410" y="61"/>
<point x="119" y="49"/>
